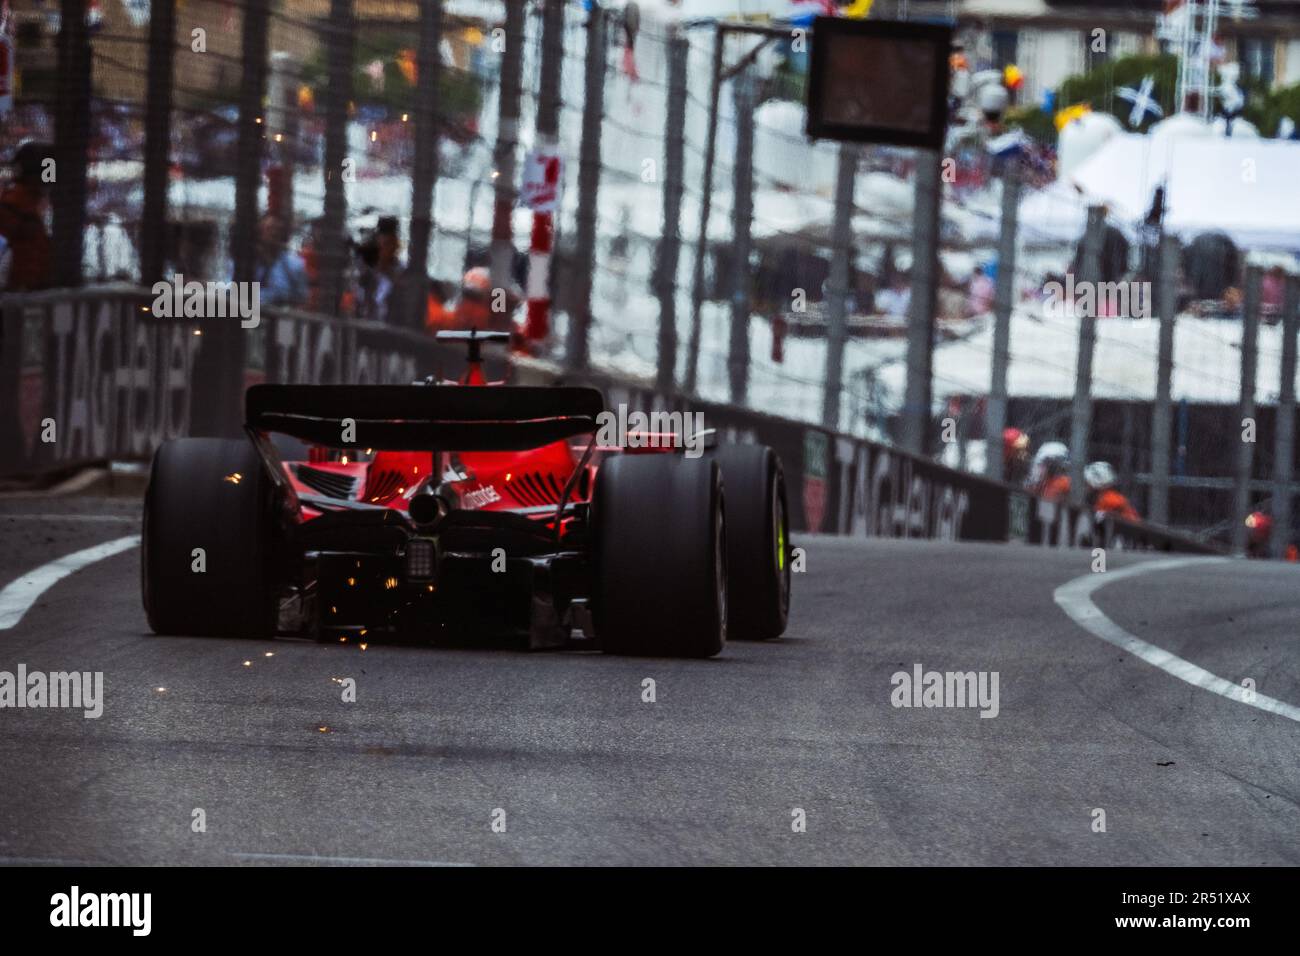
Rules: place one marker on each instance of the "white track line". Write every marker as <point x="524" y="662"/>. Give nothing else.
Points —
<point x="1075" y="599"/>
<point x="20" y="595"/>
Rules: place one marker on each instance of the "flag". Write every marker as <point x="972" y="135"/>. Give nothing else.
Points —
<point x="1071" y="113"/>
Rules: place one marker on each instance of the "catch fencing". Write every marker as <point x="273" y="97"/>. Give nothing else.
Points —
<point x="682" y="231"/>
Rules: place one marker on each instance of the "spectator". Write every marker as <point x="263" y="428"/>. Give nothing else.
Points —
<point x="1048" y="475"/>
<point x="864" y="293"/>
<point x="896" y="300"/>
<point x="1232" y="300"/>
<point x="315" y="252"/>
<point x="1272" y="290"/>
<point x="311" y="256"/>
<point x="475" y="303"/>
<point x="381" y="269"/>
<point x="1104" y="495"/>
<point x="1114" y="256"/>
<point x="1015" y="456"/>
<point x="281" y="275"/>
<point x="1149" y="235"/>
<point x="979" y="293"/>
<point x="1211" y="262"/>
<point x="26" y="244"/>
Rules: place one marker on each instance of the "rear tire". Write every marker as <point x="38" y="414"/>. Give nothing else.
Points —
<point x="758" y="541"/>
<point x="213" y="494"/>
<point x="660" y="555"/>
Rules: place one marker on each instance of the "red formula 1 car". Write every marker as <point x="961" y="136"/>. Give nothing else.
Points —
<point x="457" y="509"/>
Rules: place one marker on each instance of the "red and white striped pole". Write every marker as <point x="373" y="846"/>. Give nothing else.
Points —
<point x="538" y="324"/>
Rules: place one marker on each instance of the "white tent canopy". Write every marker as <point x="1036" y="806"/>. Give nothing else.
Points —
<point x="1044" y="348"/>
<point x="1245" y="187"/>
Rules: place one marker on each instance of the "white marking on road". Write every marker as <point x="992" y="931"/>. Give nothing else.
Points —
<point x="20" y="595"/>
<point x="343" y="860"/>
<point x="1075" y="599"/>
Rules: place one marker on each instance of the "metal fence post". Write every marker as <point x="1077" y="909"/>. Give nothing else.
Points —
<point x="846" y="173"/>
<point x="550" y="74"/>
<point x="333" y="234"/>
<point x="577" y="351"/>
<point x="157" y="140"/>
<point x="669" y="249"/>
<point x="281" y="127"/>
<point x="1162" y="410"/>
<point x="71" y="144"/>
<point x="742" y="221"/>
<point x="1081" y="409"/>
<point x="542" y="241"/>
<point x="995" y="416"/>
<point x="503" y="154"/>
<point x="424" y="172"/>
<point x="925" y="297"/>
<point x="249" y="150"/>
<point x="706" y="203"/>
<point x="219" y="368"/>
<point x="1284" y="424"/>
<point x="1246" y="409"/>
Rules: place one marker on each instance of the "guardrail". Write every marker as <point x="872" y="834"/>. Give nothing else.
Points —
<point x="95" y="371"/>
<point x="838" y="484"/>
<point x="91" y="373"/>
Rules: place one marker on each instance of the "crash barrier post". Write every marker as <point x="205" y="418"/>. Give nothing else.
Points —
<point x="669" y="247"/>
<point x="1162" y="408"/>
<point x="424" y="173"/>
<point x="341" y="51"/>
<point x="837" y="312"/>
<point x="1284" y="426"/>
<point x="743" y="95"/>
<point x="1081" y="407"/>
<point x="1003" y="303"/>
<point x="577" y="352"/>
<point x="503" y="150"/>
<point x="157" y="139"/>
<point x="72" y="122"/>
<point x="1245" y="426"/>
<point x="706" y="207"/>
<point x="924" y="302"/>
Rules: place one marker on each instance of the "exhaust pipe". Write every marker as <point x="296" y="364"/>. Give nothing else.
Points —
<point x="428" y="508"/>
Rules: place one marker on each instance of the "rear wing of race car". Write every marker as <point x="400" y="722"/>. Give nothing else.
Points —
<point x="419" y="417"/>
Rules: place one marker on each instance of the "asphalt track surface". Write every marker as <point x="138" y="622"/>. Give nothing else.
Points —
<point x="712" y="771"/>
